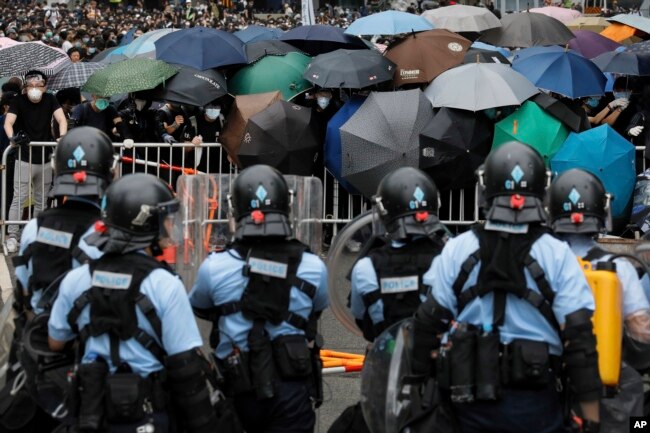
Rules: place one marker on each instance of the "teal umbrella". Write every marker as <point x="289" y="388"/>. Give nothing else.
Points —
<point x="131" y="75"/>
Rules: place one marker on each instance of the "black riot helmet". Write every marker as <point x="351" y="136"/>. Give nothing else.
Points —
<point x="578" y="203"/>
<point x="137" y="211"/>
<point x="83" y="163"/>
<point x="407" y="203"/>
<point x="514" y="179"/>
<point x="260" y="201"/>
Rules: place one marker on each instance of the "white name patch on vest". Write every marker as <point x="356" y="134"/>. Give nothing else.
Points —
<point x="399" y="284"/>
<point x="516" y="229"/>
<point x="54" y="237"/>
<point x="111" y="280"/>
<point x="268" y="267"/>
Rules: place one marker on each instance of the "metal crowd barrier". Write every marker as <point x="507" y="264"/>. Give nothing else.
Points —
<point x="458" y="208"/>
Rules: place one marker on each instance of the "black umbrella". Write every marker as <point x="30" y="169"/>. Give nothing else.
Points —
<point x="256" y="50"/>
<point x="624" y="62"/>
<point x="349" y="69"/>
<point x="282" y="136"/>
<point x="453" y="145"/>
<point x="477" y="55"/>
<point x="319" y="39"/>
<point x="382" y="135"/>
<point x="192" y="87"/>
<point x="527" y="30"/>
<point x="564" y="110"/>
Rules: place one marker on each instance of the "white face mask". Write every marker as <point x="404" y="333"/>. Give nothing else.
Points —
<point x="323" y="102"/>
<point x="34" y="94"/>
<point x="212" y="113"/>
<point x="139" y="104"/>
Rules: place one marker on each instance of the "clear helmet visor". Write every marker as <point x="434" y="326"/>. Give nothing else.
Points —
<point x="169" y="229"/>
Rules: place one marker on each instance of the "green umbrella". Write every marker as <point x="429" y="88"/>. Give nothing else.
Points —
<point x="532" y="125"/>
<point x="128" y="76"/>
<point x="282" y="73"/>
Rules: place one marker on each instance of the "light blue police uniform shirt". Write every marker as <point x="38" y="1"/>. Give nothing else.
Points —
<point x="180" y="332"/>
<point x="24" y="272"/>
<point x="220" y="281"/>
<point x="364" y="280"/>
<point x="634" y="298"/>
<point x="522" y="320"/>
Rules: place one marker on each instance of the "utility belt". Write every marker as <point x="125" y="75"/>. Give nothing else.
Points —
<point x="99" y="398"/>
<point x="286" y="358"/>
<point x="477" y="366"/>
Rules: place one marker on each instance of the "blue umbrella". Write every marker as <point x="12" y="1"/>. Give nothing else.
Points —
<point x="389" y="23"/>
<point x="565" y="72"/>
<point x="255" y="33"/>
<point x="624" y="62"/>
<point x="145" y="43"/>
<point x="605" y="153"/>
<point x="333" y="152"/>
<point x="128" y="37"/>
<point x="483" y="46"/>
<point x="318" y="39"/>
<point x="201" y="48"/>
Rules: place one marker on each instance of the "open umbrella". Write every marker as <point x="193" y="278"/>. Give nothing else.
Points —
<point x="73" y="75"/>
<point x="192" y="87"/>
<point x="563" y="15"/>
<point x="561" y="71"/>
<point x="421" y="57"/>
<point x="349" y="69"/>
<point x="255" y="33"/>
<point x="282" y="136"/>
<point x="333" y="155"/>
<point x="128" y="76"/>
<point x="593" y="24"/>
<point x="388" y="23"/>
<point x="453" y="146"/>
<point x="462" y="18"/>
<point x="483" y="46"/>
<point x="283" y="73"/>
<point x="381" y="136"/>
<point x="244" y="108"/>
<point x="8" y="42"/>
<point x="476" y="55"/>
<point x="605" y="153"/>
<point x="145" y="43"/>
<point x="527" y="30"/>
<point x="624" y="62"/>
<point x="639" y="47"/>
<point x="532" y="125"/>
<point x="591" y="44"/>
<point x="20" y="58"/>
<point x="568" y="112"/>
<point x="319" y="39"/>
<point x="478" y="86"/>
<point x="201" y="48"/>
<point x="256" y="50"/>
<point x="108" y="52"/>
<point x="633" y="20"/>
<point x="622" y="33"/>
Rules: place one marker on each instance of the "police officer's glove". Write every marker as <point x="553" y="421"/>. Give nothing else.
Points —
<point x="20" y="139"/>
<point x="167" y="138"/>
<point x="634" y="132"/>
<point x="590" y="426"/>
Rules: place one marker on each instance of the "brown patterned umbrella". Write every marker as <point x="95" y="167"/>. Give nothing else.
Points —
<point x="245" y="107"/>
<point x="421" y="57"/>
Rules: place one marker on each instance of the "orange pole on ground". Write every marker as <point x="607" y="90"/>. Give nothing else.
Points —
<point x="344" y="355"/>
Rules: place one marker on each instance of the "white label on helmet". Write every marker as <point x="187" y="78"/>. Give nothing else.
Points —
<point x="111" y="280"/>
<point x="267" y="267"/>
<point x="506" y="228"/>
<point x="399" y="284"/>
<point x="54" y="237"/>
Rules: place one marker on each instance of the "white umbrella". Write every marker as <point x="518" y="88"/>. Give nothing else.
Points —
<point x="478" y="86"/>
<point x="461" y="18"/>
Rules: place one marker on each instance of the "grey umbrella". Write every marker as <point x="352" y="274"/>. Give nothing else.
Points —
<point x="528" y="30"/>
<point x="384" y="134"/>
<point x="478" y="86"/>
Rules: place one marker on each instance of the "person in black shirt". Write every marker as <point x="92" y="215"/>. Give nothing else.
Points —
<point x="209" y="123"/>
<point x="31" y="114"/>
<point x="100" y="114"/>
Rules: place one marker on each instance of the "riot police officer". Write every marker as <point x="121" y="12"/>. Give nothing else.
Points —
<point x="265" y="294"/>
<point x="578" y="211"/>
<point x="387" y="283"/>
<point x="51" y="243"/>
<point x="138" y="336"/>
<point x="517" y="301"/>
